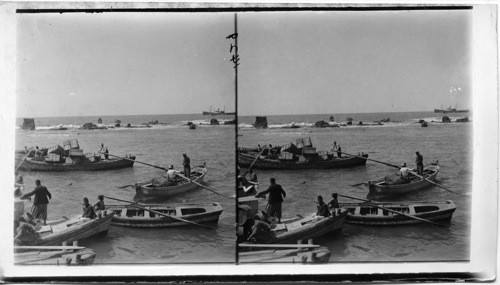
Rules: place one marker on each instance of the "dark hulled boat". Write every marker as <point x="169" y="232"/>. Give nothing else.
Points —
<point x="314" y="162"/>
<point x="29" y="164"/>
<point x="382" y="188"/>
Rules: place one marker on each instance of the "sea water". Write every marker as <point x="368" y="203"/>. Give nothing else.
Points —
<point x="394" y="143"/>
<point x="159" y="145"/>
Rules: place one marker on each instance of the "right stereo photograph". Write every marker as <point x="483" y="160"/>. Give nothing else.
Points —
<point x="354" y="136"/>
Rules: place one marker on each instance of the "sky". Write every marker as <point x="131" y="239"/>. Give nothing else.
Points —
<point x="123" y="64"/>
<point x="353" y="61"/>
<point x="290" y="62"/>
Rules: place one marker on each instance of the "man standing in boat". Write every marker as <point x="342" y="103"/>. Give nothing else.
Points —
<point x="334" y="147"/>
<point x="420" y="163"/>
<point x="186" y="163"/>
<point x="276" y="195"/>
<point x="105" y="151"/>
<point x="42" y="196"/>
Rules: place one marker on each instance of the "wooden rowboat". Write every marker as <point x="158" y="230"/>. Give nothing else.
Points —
<point x="115" y="163"/>
<point x="57" y="232"/>
<point x="306" y="228"/>
<point x="380" y="188"/>
<point x="130" y="216"/>
<point x="146" y="191"/>
<point x="245" y="159"/>
<point x="313" y="254"/>
<point x="366" y="214"/>
<point x="53" y="255"/>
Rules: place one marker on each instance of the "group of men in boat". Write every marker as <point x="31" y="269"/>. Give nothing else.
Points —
<point x="25" y="231"/>
<point x="170" y="178"/>
<point x="405" y="174"/>
<point x="258" y="229"/>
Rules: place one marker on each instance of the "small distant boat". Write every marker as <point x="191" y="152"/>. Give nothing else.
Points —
<point x="367" y="214"/>
<point x="192" y="127"/>
<point x="64" y="230"/>
<point x="308" y="228"/>
<point x="146" y="191"/>
<point x="381" y="188"/>
<point x="424" y="124"/>
<point x="308" y="254"/>
<point x="130" y="216"/>
<point x="53" y="255"/>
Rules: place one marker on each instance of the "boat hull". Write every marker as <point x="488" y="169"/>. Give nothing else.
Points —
<point x="127" y="215"/>
<point x="246" y="159"/>
<point x="145" y="192"/>
<point x="372" y="216"/>
<point x="62" y="233"/>
<point x="29" y="165"/>
<point x="81" y="257"/>
<point x="315" y="255"/>
<point x="379" y="190"/>
<point x="311" y="229"/>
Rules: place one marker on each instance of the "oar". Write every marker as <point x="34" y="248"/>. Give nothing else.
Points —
<point x="155" y="166"/>
<point x="19" y="165"/>
<point x="388" y="164"/>
<point x="435" y="184"/>
<point x="131" y="185"/>
<point x="203" y="186"/>
<point x="256" y="158"/>
<point x="357" y="184"/>
<point x="133" y="204"/>
<point x="389" y="210"/>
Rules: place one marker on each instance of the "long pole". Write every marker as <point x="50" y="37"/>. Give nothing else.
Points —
<point x="155" y="166"/>
<point x="201" y="185"/>
<point x="133" y="204"/>
<point x="256" y="158"/>
<point x="24" y="158"/>
<point x="392" y="211"/>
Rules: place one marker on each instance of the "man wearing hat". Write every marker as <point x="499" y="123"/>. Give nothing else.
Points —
<point x="420" y="163"/>
<point x="276" y="195"/>
<point x="405" y="172"/>
<point x="334" y="203"/>
<point x="171" y="175"/>
<point x="322" y="208"/>
<point x="99" y="206"/>
<point x="42" y="196"/>
<point x="186" y="163"/>
<point x="105" y="151"/>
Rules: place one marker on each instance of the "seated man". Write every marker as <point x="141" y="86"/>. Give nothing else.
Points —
<point x="25" y="234"/>
<point x="322" y="208"/>
<point x="88" y="210"/>
<point x="405" y="173"/>
<point x="261" y="232"/>
<point x="334" y="203"/>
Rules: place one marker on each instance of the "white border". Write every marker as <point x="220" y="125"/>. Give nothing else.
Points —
<point x="485" y="144"/>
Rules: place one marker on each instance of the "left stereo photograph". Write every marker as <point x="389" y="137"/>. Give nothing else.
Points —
<point x="124" y="139"/>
